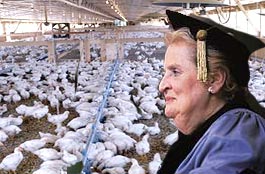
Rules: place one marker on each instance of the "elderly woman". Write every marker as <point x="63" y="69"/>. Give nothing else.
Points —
<point x="205" y="89"/>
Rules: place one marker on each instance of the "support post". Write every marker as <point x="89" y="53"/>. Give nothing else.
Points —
<point x="121" y="50"/>
<point x="81" y="50"/>
<point x="85" y="50"/>
<point x="103" y="51"/>
<point x="52" y="51"/>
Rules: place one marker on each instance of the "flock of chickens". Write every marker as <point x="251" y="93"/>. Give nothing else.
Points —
<point x="51" y="87"/>
<point x="123" y="143"/>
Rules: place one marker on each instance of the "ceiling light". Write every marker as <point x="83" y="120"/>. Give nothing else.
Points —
<point x="115" y="7"/>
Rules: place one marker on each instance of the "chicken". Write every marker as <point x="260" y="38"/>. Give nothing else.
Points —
<point x="32" y="145"/>
<point x="123" y="141"/>
<point x="24" y="94"/>
<point x="79" y="137"/>
<point x="150" y="107"/>
<point x="135" y="168"/>
<point x="94" y="149"/>
<point x="78" y="122"/>
<point x="115" y="161"/>
<point x="3" y="109"/>
<point x="58" y="119"/>
<point x="102" y="156"/>
<point x="143" y="146"/>
<point x="40" y="112"/>
<point x="3" y="136"/>
<point x="70" y="158"/>
<point x="11" y="130"/>
<point x="120" y="122"/>
<point x="111" y="146"/>
<point x="53" y="165"/>
<point x="68" y="144"/>
<point x="37" y="111"/>
<point x="137" y="129"/>
<point x="114" y="170"/>
<point x="48" y="154"/>
<point x="48" y="137"/>
<point x="66" y="103"/>
<point x="154" y="130"/>
<point x="12" y="161"/>
<point x="16" y="98"/>
<point x="171" y="138"/>
<point x="45" y="170"/>
<point x="154" y="165"/>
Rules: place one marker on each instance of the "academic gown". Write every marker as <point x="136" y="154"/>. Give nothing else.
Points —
<point x="231" y="142"/>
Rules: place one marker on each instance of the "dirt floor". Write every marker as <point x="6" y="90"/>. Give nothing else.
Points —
<point x="32" y="126"/>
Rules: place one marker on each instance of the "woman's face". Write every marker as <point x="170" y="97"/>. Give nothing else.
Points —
<point x="185" y="96"/>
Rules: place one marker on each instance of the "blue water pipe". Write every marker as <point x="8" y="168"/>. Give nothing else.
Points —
<point x="93" y="134"/>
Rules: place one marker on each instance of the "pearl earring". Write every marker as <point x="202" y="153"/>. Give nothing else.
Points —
<point x="210" y="90"/>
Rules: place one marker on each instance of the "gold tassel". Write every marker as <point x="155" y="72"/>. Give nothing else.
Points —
<point x="201" y="55"/>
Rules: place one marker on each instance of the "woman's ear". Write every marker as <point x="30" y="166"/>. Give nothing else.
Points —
<point x="168" y="37"/>
<point x="217" y="81"/>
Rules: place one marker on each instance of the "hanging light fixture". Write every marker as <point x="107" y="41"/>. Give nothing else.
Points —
<point x="113" y="5"/>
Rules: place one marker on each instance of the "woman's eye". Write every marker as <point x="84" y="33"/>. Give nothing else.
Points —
<point x="175" y="72"/>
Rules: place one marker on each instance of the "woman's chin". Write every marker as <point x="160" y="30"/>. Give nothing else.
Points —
<point x="168" y="113"/>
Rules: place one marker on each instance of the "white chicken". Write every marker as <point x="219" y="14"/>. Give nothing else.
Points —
<point x="120" y="122"/>
<point x="171" y="138"/>
<point x="137" y="129"/>
<point x="48" y="154"/>
<point x="16" y="98"/>
<point x="66" y="103"/>
<point x="58" y="119"/>
<point x="12" y="161"/>
<point x="102" y="156"/>
<point x="68" y="144"/>
<point x="70" y="158"/>
<point x="143" y="146"/>
<point x="24" y="94"/>
<point x="3" y="109"/>
<point x="154" y="165"/>
<point x="154" y="130"/>
<point x="114" y="170"/>
<point x="45" y="170"/>
<point x="135" y="168"/>
<point x="53" y="165"/>
<point x="48" y="137"/>
<point x="6" y="121"/>
<point x="94" y="149"/>
<point x="32" y="145"/>
<point x="7" y="98"/>
<point x="78" y="122"/>
<point x="111" y="146"/>
<point x="3" y="136"/>
<point x="40" y="112"/>
<point x="115" y="161"/>
<point x="77" y="136"/>
<point x="11" y="130"/>
<point x="123" y="141"/>
<point x="15" y="120"/>
<point x="150" y="107"/>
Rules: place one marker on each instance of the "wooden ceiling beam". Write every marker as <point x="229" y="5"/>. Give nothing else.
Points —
<point x="251" y="6"/>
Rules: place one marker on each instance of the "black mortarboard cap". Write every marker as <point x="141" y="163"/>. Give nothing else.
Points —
<point x="235" y="45"/>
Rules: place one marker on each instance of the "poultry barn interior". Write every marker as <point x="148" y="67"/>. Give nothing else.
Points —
<point x="79" y="80"/>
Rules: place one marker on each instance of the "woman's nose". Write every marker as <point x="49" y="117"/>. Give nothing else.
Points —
<point x="163" y="85"/>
